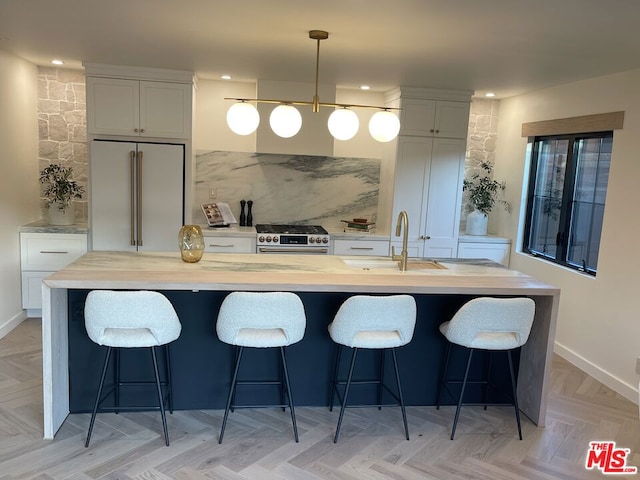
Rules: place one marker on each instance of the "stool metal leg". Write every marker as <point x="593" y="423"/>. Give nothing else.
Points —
<point x="464" y="383"/>
<point x="383" y="351"/>
<point x="167" y="358"/>
<point x="289" y="395"/>
<point x="485" y="388"/>
<point x="116" y="372"/>
<point x="232" y="390"/>
<point x="515" y="394"/>
<point x="95" y="406"/>
<point x="334" y="384"/>
<point x="346" y="394"/>
<point x="160" y="400"/>
<point x="404" y="412"/>
<point x="444" y="375"/>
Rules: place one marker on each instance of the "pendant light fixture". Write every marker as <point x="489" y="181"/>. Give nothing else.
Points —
<point x="285" y="120"/>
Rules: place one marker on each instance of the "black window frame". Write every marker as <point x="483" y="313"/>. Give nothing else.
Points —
<point x="565" y="219"/>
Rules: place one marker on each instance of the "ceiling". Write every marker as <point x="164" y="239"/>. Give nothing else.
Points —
<point x="505" y="46"/>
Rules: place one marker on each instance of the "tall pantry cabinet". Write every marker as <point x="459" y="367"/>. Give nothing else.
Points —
<point x="429" y="169"/>
<point x="140" y="156"/>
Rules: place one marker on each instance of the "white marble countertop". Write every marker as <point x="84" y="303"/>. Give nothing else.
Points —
<point x="42" y="226"/>
<point x="325" y="273"/>
<point x="230" y="231"/>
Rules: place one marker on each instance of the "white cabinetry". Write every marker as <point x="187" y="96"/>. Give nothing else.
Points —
<point x="429" y="168"/>
<point x="229" y="244"/>
<point x="41" y="254"/>
<point x="434" y="118"/>
<point x="139" y="108"/>
<point x="428" y="186"/>
<point x="361" y="247"/>
<point x="492" y="248"/>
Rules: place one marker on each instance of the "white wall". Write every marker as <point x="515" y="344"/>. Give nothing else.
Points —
<point x="19" y="162"/>
<point x="598" y="323"/>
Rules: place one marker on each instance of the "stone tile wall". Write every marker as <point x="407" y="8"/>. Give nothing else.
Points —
<point x="481" y="142"/>
<point x="63" y="127"/>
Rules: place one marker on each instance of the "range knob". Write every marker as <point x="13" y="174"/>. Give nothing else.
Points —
<point x="312" y="240"/>
<point x="261" y="238"/>
<point x="325" y="240"/>
<point x="268" y="239"/>
<point x="276" y="239"/>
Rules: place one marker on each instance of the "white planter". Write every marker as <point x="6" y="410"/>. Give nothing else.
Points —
<point x="61" y="217"/>
<point x="477" y="223"/>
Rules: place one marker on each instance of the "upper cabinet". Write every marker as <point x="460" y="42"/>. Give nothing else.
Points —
<point x="429" y="168"/>
<point x="118" y="103"/>
<point x="434" y="118"/>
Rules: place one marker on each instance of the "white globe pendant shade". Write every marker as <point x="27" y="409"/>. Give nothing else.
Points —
<point x="343" y="124"/>
<point x="384" y="126"/>
<point x="243" y="118"/>
<point x="285" y="121"/>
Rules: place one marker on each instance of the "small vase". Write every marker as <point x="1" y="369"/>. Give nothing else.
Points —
<point x="191" y="243"/>
<point x="61" y="217"/>
<point x="477" y="223"/>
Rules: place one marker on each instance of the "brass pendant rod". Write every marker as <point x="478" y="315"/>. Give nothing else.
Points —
<point x="316" y="35"/>
<point x="302" y="102"/>
<point x="316" y="98"/>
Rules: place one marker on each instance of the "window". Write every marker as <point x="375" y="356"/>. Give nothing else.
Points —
<point x="567" y="190"/>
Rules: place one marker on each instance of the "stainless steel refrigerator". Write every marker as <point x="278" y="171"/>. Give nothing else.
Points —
<point x="136" y="195"/>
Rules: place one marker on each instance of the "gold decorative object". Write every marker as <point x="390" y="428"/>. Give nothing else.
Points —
<point x="191" y="243"/>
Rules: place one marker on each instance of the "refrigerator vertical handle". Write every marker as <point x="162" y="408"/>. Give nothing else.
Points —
<point x="132" y="175"/>
<point x="139" y="199"/>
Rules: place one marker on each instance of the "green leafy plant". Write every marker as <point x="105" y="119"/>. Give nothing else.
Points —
<point x="60" y="187"/>
<point x="484" y="191"/>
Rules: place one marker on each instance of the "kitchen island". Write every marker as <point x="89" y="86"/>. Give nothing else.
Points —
<point x="322" y="281"/>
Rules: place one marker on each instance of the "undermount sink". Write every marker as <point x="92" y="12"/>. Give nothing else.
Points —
<point x="387" y="263"/>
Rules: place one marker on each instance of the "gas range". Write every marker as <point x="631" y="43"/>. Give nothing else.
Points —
<point x="282" y="238"/>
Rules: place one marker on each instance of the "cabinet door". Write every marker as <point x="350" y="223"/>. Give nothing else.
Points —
<point x="498" y="252"/>
<point x="165" y="110"/>
<point x="110" y="204"/>
<point x="417" y="117"/>
<point x="162" y="181"/>
<point x="442" y="198"/>
<point x="452" y="119"/>
<point x="226" y="244"/>
<point x="361" y="247"/>
<point x="113" y="106"/>
<point x="414" y="156"/>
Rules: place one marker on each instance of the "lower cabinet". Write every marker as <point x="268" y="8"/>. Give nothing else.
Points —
<point x="229" y="244"/>
<point x="42" y="254"/>
<point x="361" y="247"/>
<point x="498" y="250"/>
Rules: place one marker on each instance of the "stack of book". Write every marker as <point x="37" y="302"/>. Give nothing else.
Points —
<point x="358" y="225"/>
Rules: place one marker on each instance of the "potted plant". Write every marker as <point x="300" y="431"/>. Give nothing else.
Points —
<point x="59" y="190"/>
<point x="483" y="194"/>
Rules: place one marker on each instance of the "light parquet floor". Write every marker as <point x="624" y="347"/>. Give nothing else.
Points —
<point x="259" y="443"/>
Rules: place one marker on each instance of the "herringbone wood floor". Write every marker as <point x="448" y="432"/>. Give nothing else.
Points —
<point x="259" y="444"/>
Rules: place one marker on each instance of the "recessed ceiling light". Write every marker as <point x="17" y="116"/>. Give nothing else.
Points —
<point x="57" y="62"/>
<point x="489" y="94"/>
<point x="364" y="87"/>
<point x="225" y="77"/>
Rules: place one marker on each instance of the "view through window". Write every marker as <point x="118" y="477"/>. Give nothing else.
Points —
<point x="567" y="191"/>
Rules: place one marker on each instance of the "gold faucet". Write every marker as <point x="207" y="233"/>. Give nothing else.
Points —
<point x="402" y="258"/>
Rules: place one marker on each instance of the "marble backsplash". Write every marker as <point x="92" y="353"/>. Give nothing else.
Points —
<point x="288" y="188"/>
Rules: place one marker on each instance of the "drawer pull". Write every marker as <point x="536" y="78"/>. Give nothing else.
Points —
<point x="221" y="245"/>
<point x="52" y="251"/>
<point x="361" y="248"/>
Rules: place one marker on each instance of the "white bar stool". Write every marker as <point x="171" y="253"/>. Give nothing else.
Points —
<point x="131" y="319"/>
<point x="372" y="322"/>
<point x="493" y="324"/>
<point x="261" y="320"/>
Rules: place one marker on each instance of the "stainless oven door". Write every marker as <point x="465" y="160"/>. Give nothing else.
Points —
<point x="292" y="249"/>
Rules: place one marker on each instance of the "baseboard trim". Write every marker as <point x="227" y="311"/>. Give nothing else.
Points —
<point x="614" y="383"/>
<point x="12" y="323"/>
